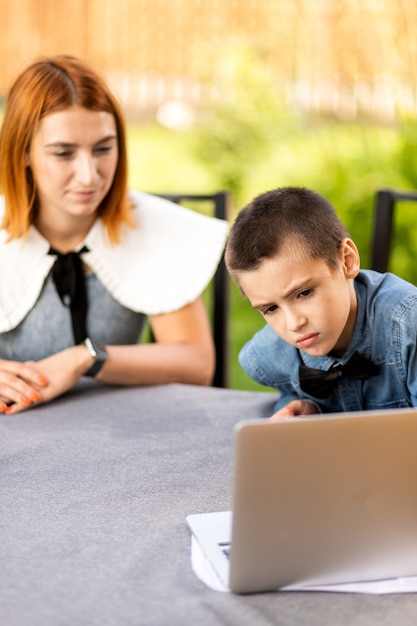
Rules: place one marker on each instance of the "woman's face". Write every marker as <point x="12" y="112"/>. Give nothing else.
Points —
<point x="73" y="159"/>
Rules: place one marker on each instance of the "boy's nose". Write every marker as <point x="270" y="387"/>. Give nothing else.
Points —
<point x="295" y="321"/>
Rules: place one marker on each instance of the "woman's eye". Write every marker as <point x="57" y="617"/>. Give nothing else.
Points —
<point x="103" y="149"/>
<point x="63" y="154"/>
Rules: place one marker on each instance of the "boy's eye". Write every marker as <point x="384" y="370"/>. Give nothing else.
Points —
<point x="305" y="293"/>
<point x="270" y="309"/>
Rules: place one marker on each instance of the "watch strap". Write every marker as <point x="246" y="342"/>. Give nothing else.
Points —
<point x="98" y="351"/>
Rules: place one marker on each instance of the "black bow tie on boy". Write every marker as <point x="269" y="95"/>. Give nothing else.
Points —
<point x="319" y="383"/>
<point x="68" y="276"/>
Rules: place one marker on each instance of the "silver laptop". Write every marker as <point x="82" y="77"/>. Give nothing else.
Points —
<point x="318" y="500"/>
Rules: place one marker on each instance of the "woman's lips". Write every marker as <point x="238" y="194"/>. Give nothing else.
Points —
<point x="85" y="195"/>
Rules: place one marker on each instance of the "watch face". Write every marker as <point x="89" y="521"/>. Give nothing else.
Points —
<point x="98" y="351"/>
<point x="96" y="348"/>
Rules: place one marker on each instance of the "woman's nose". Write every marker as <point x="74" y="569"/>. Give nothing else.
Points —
<point x="86" y="169"/>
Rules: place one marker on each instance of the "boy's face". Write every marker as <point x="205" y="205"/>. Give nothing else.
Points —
<point x="308" y="304"/>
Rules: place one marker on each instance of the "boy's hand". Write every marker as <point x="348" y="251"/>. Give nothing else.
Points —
<point x="294" y="408"/>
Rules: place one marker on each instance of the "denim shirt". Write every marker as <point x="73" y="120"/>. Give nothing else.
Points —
<point x="385" y="332"/>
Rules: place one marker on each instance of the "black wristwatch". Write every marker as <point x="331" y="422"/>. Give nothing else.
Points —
<point x="98" y="351"/>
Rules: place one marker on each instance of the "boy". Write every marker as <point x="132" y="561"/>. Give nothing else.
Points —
<point x="295" y="262"/>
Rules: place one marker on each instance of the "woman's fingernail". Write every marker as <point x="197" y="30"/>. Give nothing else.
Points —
<point x="25" y="400"/>
<point x="35" y="396"/>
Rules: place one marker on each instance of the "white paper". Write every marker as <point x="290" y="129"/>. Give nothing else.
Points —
<point x="204" y="571"/>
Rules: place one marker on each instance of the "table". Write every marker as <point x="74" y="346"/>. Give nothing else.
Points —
<point x="95" y="488"/>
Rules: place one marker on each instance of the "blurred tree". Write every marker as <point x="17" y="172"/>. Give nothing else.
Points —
<point x="245" y="119"/>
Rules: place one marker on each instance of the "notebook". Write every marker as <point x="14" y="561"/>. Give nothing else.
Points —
<point x="317" y="501"/>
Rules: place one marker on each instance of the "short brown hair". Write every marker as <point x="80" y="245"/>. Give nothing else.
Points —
<point x="49" y="85"/>
<point x="273" y="218"/>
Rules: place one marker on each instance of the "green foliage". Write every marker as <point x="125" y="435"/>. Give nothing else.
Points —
<point x="243" y="121"/>
<point x="161" y="160"/>
<point x="250" y="142"/>
<point x="347" y="163"/>
<point x="407" y="154"/>
<point x="244" y="323"/>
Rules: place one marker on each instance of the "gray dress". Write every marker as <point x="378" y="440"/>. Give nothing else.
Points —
<point x="47" y="328"/>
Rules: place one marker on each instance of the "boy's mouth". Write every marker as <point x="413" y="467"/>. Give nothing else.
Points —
<point x="307" y="340"/>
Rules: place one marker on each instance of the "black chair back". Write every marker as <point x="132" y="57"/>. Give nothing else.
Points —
<point x="385" y="202"/>
<point x="220" y="203"/>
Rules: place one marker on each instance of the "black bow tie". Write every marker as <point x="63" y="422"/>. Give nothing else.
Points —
<point x="319" y="383"/>
<point x="68" y="276"/>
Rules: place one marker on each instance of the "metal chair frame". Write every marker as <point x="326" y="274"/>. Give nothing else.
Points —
<point x="221" y="287"/>
<point x="385" y="201"/>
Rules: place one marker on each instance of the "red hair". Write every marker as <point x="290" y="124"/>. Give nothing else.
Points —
<point x="47" y="86"/>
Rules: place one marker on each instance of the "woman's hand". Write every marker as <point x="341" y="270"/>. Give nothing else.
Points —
<point x="183" y="352"/>
<point x="21" y="385"/>
<point x="26" y="384"/>
<point x="295" y="408"/>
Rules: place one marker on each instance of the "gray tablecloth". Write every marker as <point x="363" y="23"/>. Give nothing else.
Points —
<point x="95" y="488"/>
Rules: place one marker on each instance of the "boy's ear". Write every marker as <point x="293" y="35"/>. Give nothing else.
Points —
<point x="350" y="258"/>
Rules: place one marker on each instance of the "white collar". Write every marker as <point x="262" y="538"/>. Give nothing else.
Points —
<point x="160" y="266"/>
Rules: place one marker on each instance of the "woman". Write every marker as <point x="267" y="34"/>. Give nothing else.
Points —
<point x="82" y="260"/>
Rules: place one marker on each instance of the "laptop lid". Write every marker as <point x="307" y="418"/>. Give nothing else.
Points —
<point x="324" y="500"/>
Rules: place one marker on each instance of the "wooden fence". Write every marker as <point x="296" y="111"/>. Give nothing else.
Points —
<point x="340" y="56"/>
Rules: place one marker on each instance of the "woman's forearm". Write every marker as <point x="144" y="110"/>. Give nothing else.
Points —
<point x="158" y="363"/>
